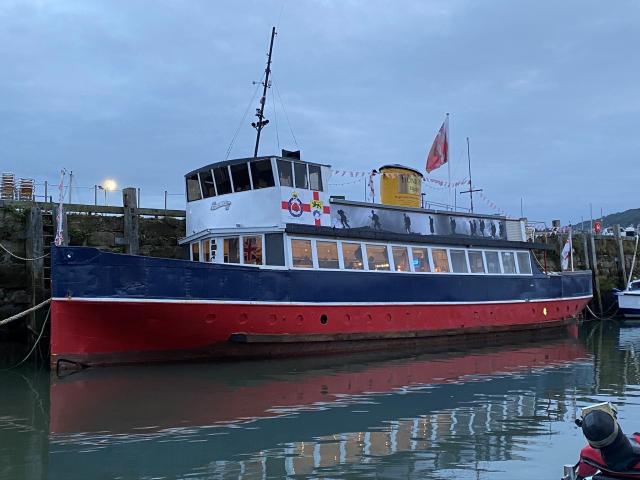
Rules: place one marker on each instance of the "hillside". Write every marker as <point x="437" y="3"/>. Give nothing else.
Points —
<point x="627" y="218"/>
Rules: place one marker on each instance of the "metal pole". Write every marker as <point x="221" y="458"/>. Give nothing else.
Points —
<point x="70" y="184"/>
<point x="46" y="190"/>
<point x="95" y="195"/>
<point x="470" y="182"/>
<point x="105" y="197"/>
<point x="260" y="113"/>
<point x="591" y="216"/>
<point x="138" y="197"/>
<point x="165" y="202"/>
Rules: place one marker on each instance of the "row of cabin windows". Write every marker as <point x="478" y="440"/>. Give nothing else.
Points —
<point x="252" y="176"/>
<point x="243" y="250"/>
<point x="326" y="254"/>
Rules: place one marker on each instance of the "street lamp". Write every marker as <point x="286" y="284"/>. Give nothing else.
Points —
<point x="107" y="185"/>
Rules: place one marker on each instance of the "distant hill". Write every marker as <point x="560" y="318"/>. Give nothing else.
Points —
<point x="628" y="218"/>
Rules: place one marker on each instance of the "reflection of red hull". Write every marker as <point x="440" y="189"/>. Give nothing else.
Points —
<point x="108" y="331"/>
<point x="126" y="398"/>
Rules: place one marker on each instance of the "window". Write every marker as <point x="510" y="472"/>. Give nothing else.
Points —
<point x="493" y="262"/>
<point x="206" y="251"/>
<point x="285" y="173"/>
<point x="261" y="174"/>
<point x="524" y="263"/>
<point x="193" y="188"/>
<point x="195" y="251"/>
<point x="206" y="181"/>
<point x="440" y="260"/>
<point x="377" y="256"/>
<point x="327" y="254"/>
<point x="352" y="253"/>
<point x="223" y="182"/>
<point x="476" y="261"/>
<point x="252" y="250"/>
<point x="214" y="250"/>
<point x="274" y="249"/>
<point x="301" y="253"/>
<point x="240" y="176"/>
<point x="232" y="250"/>
<point x="403" y="183"/>
<point x="315" y="178"/>
<point x="421" y="260"/>
<point x="300" y="170"/>
<point x="459" y="261"/>
<point x="508" y="262"/>
<point x="400" y="259"/>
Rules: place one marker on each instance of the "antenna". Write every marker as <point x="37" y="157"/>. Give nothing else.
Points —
<point x="263" y="122"/>
<point x="471" y="190"/>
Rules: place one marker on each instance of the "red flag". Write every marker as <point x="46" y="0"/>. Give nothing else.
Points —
<point x="439" y="153"/>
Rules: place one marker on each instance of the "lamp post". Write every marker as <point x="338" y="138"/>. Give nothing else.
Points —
<point x="107" y="185"/>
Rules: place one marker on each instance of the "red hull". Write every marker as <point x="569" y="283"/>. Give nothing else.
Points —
<point x="110" y="332"/>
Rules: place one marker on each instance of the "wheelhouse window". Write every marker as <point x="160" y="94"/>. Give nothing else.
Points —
<point x="327" y="254"/>
<point x="476" y="262"/>
<point x="195" y="251"/>
<point x="300" y="172"/>
<point x="274" y="249"/>
<point x="193" y="188"/>
<point x="400" y="259"/>
<point x="352" y="254"/>
<point x="223" y="181"/>
<point x="261" y="174"/>
<point x="508" y="262"/>
<point x="231" y="250"/>
<point x="459" y="261"/>
<point x="315" y="177"/>
<point x="206" y="250"/>
<point x="206" y="182"/>
<point x="301" y="253"/>
<point x="440" y="260"/>
<point x="378" y="258"/>
<point x="240" y="177"/>
<point x="524" y="263"/>
<point x="493" y="262"/>
<point x="285" y="173"/>
<point x="252" y="250"/>
<point x="421" y="259"/>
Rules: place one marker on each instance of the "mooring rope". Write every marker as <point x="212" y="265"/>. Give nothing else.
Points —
<point x="602" y="318"/>
<point x="25" y="313"/>
<point x="22" y="258"/>
<point x="44" y="324"/>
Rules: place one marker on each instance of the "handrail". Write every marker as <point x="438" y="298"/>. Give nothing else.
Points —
<point x="81" y="208"/>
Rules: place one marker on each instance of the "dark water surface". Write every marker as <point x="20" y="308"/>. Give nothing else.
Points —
<point x="494" y="413"/>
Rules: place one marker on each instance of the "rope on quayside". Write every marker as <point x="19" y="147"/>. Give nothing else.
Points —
<point x="22" y="258"/>
<point x="601" y="318"/>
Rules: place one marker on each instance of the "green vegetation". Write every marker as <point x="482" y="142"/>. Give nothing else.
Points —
<point x="628" y="218"/>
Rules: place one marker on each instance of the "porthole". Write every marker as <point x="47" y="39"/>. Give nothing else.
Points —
<point x="323" y="319"/>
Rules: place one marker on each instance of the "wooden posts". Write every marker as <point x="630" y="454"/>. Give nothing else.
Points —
<point x="622" y="268"/>
<point x="131" y="221"/>
<point x="594" y="269"/>
<point x="585" y="247"/>
<point x="34" y="248"/>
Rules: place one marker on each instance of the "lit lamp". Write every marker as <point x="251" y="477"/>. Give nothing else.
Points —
<point x="108" y="186"/>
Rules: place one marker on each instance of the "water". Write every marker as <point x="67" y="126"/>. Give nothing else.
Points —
<point x="493" y="413"/>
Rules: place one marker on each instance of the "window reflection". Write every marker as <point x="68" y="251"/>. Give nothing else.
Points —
<point x="476" y="261"/>
<point x="493" y="262"/>
<point x="352" y="253"/>
<point x="285" y="173"/>
<point x="440" y="260"/>
<point x="508" y="262"/>
<point x="400" y="259"/>
<point x="327" y="254"/>
<point x="252" y="250"/>
<point x="421" y="260"/>
<point x="300" y="171"/>
<point x="231" y="250"/>
<point x="459" y="261"/>
<point x="377" y="257"/>
<point x="301" y="253"/>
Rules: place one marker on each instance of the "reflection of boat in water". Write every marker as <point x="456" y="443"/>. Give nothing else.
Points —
<point x="298" y="419"/>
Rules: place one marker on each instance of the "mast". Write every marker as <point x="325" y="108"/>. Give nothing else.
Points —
<point x="471" y="190"/>
<point x="262" y="122"/>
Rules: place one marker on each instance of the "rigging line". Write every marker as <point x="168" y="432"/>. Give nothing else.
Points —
<point x="275" y="119"/>
<point x="286" y="115"/>
<point x="235" y="135"/>
<point x="35" y="344"/>
<point x="22" y="258"/>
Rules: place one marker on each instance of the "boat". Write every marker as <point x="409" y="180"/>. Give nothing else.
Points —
<point x="276" y="266"/>
<point x="629" y="298"/>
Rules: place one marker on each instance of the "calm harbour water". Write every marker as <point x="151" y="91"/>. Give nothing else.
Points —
<point x="493" y="413"/>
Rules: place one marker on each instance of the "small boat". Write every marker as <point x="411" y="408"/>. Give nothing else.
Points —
<point x="610" y="454"/>
<point x="629" y="298"/>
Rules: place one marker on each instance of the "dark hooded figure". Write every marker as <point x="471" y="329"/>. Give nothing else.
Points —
<point x="343" y="219"/>
<point x="375" y="219"/>
<point x="482" y="226"/>
<point x="407" y="223"/>
<point x="472" y="227"/>
<point x="453" y="225"/>
<point x="431" y="225"/>
<point x="501" y="226"/>
<point x="493" y="229"/>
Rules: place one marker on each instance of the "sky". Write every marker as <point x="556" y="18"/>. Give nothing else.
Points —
<point x="143" y="91"/>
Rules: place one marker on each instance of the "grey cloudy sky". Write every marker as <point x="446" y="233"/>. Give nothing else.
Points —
<point x="143" y="91"/>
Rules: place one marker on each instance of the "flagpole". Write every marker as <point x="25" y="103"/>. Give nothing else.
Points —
<point x="448" y="137"/>
<point x="571" y="245"/>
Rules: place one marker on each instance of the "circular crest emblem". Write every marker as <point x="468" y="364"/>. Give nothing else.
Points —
<point x="295" y="205"/>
